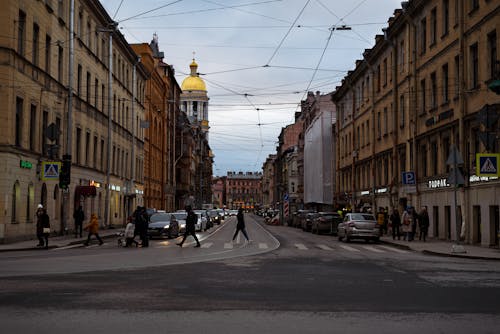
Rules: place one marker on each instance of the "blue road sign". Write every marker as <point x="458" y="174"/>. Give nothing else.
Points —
<point x="409" y="178"/>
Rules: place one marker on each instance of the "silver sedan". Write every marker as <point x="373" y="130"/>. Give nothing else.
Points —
<point x="359" y="226"/>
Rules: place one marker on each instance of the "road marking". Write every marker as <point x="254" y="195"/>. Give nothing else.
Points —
<point x="93" y="246"/>
<point x="373" y="249"/>
<point x="301" y="246"/>
<point x="349" y="248"/>
<point x="394" y="249"/>
<point x="66" y="247"/>
<point x="324" y="247"/>
<point x="228" y="245"/>
<point x="207" y="245"/>
<point x="263" y="246"/>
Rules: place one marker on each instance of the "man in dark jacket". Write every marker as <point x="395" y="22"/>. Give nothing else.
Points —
<point x="191" y="220"/>
<point x="141" y="225"/>
<point x="79" y="217"/>
<point x="240" y="225"/>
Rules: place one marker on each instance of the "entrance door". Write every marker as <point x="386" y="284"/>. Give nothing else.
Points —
<point x="447" y="221"/>
<point x="494" y="226"/>
<point x="435" y="221"/>
<point x="476" y="224"/>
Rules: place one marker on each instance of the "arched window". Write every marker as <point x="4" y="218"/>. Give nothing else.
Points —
<point x="30" y="200"/>
<point x="43" y="197"/>
<point x="56" y="201"/>
<point x="16" y="197"/>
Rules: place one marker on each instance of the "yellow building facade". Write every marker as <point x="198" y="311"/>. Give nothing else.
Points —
<point x="106" y="154"/>
<point x="414" y="96"/>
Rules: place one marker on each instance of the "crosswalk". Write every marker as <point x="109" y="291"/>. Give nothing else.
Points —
<point x="352" y="248"/>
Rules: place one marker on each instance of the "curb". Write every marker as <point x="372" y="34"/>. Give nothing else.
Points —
<point x="432" y="253"/>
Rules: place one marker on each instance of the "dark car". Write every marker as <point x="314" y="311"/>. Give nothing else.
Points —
<point x="214" y="216"/>
<point x="326" y="222"/>
<point x="162" y="224"/>
<point x="306" y="222"/>
<point x="359" y="226"/>
<point x="298" y="216"/>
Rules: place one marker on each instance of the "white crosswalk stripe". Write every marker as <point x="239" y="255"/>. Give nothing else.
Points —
<point x="301" y="246"/>
<point x="263" y="245"/>
<point x="324" y="247"/>
<point x="394" y="249"/>
<point x="373" y="249"/>
<point x="349" y="248"/>
<point x="228" y="245"/>
<point x="207" y="245"/>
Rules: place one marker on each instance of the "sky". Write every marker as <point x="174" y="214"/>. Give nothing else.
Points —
<point x="258" y="58"/>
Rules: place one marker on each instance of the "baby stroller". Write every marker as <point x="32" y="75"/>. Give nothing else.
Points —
<point x="122" y="241"/>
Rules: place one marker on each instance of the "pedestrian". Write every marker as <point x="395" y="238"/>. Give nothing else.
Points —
<point x="129" y="234"/>
<point x="407" y="221"/>
<point x="240" y="225"/>
<point x="414" y="217"/>
<point x="191" y="220"/>
<point x="93" y="228"/>
<point x="141" y="225"/>
<point x="381" y="220"/>
<point x="423" y="223"/>
<point x="396" y="223"/>
<point x="42" y="227"/>
<point x="79" y="217"/>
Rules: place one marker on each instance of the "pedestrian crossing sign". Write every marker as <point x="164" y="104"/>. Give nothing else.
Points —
<point x="487" y="164"/>
<point x="51" y="170"/>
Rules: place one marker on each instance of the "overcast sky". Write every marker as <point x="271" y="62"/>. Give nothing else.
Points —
<point x="258" y="59"/>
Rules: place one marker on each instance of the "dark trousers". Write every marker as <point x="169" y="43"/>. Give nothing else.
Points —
<point x="96" y="235"/>
<point x="423" y="234"/>
<point x="78" y="230"/>
<point x="396" y="232"/>
<point x="243" y="230"/>
<point x="186" y="234"/>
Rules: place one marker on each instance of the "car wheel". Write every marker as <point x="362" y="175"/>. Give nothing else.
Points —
<point x="376" y="240"/>
<point x="339" y="237"/>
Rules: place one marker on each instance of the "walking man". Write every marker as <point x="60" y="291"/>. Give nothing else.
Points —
<point x="191" y="220"/>
<point x="93" y="228"/>
<point x="396" y="223"/>
<point x="141" y="225"/>
<point x="240" y="225"/>
<point x="423" y="223"/>
<point x="79" y="217"/>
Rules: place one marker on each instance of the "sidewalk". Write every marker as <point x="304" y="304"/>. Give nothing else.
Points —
<point x="444" y="248"/>
<point x="57" y="241"/>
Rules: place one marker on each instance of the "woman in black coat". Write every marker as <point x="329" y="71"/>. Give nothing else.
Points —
<point x="42" y="222"/>
<point x="240" y="226"/>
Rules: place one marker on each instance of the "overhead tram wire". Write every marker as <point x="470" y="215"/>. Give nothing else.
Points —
<point x="287" y="33"/>
<point x="116" y="12"/>
<point x="149" y="11"/>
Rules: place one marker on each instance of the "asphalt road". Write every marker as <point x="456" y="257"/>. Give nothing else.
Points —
<point x="283" y="281"/>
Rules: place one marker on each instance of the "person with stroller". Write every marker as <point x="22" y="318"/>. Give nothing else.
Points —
<point x="129" y="234"/>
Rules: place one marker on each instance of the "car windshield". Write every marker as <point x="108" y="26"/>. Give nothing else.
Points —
<point x="330" y="216"/>
<point x="180" y="215"/>
<point x="160" y="217"/>
<point x="212" y="213"/>
<point x="359" y="216"/>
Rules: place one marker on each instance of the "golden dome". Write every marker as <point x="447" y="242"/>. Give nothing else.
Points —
<point x="193" y="81"/>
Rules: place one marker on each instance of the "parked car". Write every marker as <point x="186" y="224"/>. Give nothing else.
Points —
<point x="359" y="226"/>
<point x="306" y="222"/>
<point x="181" y="216"/>
<point x="298" y="216"/>
<point x="162" y="224"/>
<point x="326" y="222"/>
<point x="233" y="212"/>
<point x="202" y="223"/>
<point x="214" y="216"/>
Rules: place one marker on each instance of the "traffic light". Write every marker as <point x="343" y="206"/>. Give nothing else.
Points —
<point x="65" y="173"/>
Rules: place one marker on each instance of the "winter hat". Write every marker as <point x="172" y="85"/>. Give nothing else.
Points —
<point x="40" y="206"/>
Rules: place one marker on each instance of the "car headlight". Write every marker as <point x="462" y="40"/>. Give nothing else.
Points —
<point x="166" y="226"/>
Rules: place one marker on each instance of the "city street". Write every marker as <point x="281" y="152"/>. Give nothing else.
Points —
<point x="283" y="281"/>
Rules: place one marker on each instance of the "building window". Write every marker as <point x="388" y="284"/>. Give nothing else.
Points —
<point x="446" y="16"/>
<point x="474" y="5"/>
<point x="492" y="54"/>
<point x="58" y="138"/>
<point x="60" y="9"/>
<point x="402" y="56"/>
<point x="402" y="111"/>
<point x="45" y="122"/>
<point x="102" y="154"/>
<point x="16" y="197"/>
<point x="94" y="153"/>
<point x="423" y="35"/>
<point x="80" y="25"/>
<point x="21" y="33"/>
<point x="19" y="121"/>
<point x="48" y="44"/>
<point x="36" y="46"/>
<point x="30" y="198"/>
<point x="379" y="125"/>
<point x="33" y="127"/>
<point x="96" y="92"/>
<point x="378" y="77"/>
<point x="79" y="81"/>
<point x="87" y="148"/>
<point x="385" y="72"/>
<point x="103" y="96"/>
<point x="60" y="63"/>
<point x="422" y="96"/>
<point x="88" y="88"/>
<point x="433" y="26"/>
<point x="78" y="145"/>
<point x="386" y="122"/>
<point x="433" y="91"/>
<point x="434" y="158"/>
<point x="445" y="83"/>
<point x="474" y="66"/>
<point x="423" y="160"/>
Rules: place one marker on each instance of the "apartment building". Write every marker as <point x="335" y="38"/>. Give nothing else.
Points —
<point x="417" y="94"/>
<point x="101" y="135"/>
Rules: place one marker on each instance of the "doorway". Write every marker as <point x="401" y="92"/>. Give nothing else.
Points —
<point x="476" y="224"/>
<point x="447" y="222"/>
<point x="494" y="226"/>
<point x="435" y="221"/>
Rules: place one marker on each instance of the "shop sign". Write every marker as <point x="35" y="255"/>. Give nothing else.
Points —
<point x="440" y="183"/>
<point x="364" y="193"/>
<point x="95" y="184"/>
<point x="475" y="178"/>
<point x="25" y="164"/>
